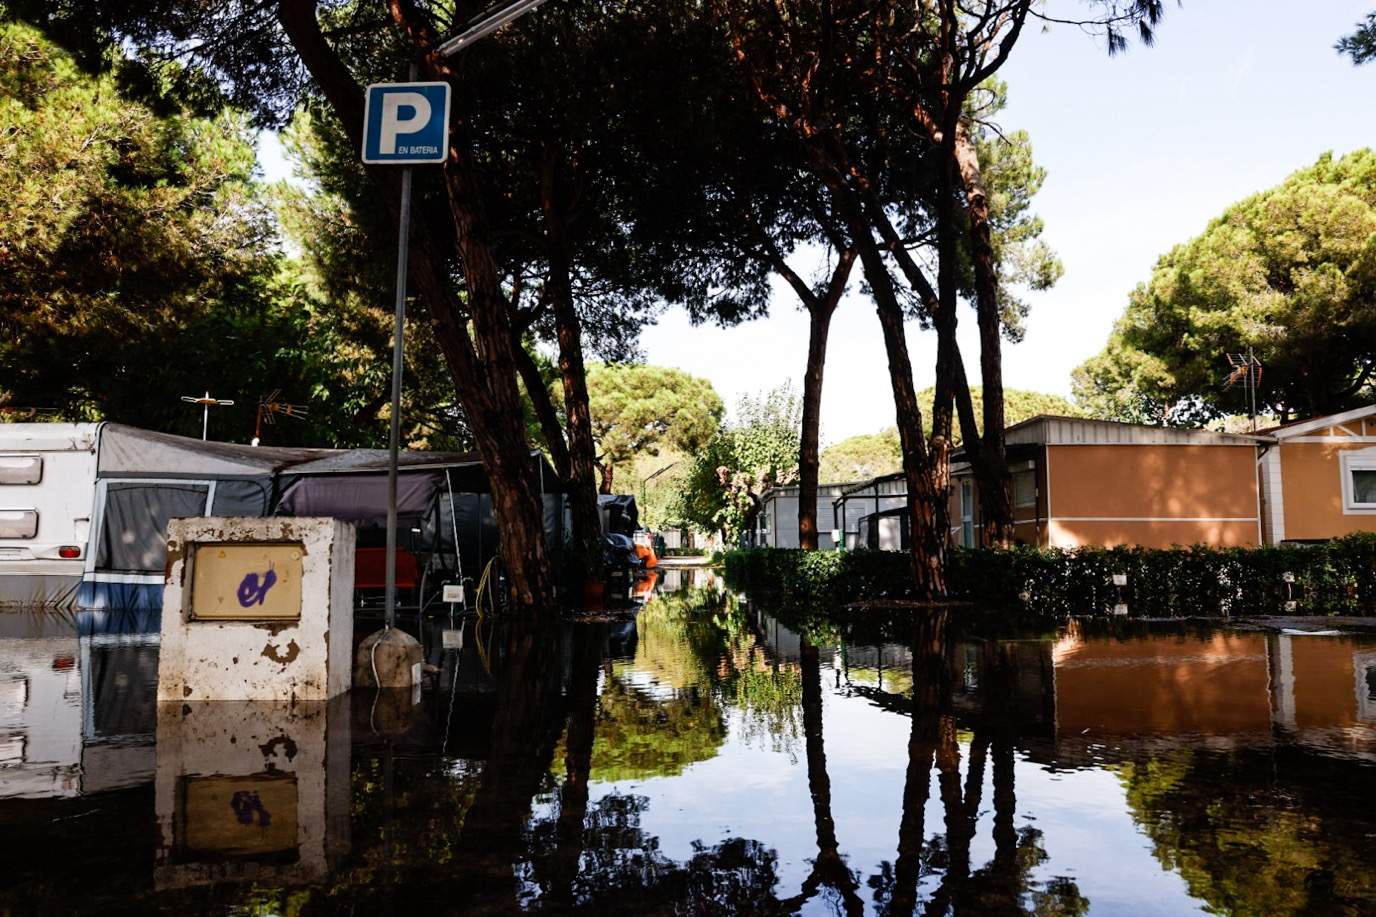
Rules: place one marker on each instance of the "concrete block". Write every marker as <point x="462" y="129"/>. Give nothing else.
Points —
<point x="257" y="609"/>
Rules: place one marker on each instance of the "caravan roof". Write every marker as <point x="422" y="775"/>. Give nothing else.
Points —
<point x="48" y="437"/>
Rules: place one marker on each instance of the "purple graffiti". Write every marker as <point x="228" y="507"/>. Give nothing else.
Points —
<point x="251" y="592"/>
<point x="246" y="804"/>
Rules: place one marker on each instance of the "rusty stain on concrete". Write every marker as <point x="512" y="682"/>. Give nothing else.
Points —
<point x="269" y="748"/>
<point x="272" y="653"/>
<point x="274" y="627"/>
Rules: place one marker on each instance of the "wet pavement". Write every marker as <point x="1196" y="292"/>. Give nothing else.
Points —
<point x="704" y="755"/>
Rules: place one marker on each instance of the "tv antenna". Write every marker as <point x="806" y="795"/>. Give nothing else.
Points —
<point x="269" y="407"/>
<point x="206" y="403"/>
<point x="1246" y="370"/>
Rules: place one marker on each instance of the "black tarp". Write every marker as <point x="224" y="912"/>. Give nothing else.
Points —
<point x="243" y="497"/>
<point x="620" y="512"/>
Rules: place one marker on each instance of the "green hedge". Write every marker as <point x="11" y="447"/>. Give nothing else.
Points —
<point x="1337" y="577"/>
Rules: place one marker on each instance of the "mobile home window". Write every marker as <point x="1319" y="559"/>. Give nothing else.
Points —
<point x="1024" y="489"/>
<point x="1359" y="482"/>
<point x="1364" y="486"/>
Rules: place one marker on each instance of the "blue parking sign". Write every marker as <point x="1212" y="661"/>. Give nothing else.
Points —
<point x="406" y="123"/>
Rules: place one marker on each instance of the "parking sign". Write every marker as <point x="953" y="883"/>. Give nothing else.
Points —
<point x="406" y="123"/>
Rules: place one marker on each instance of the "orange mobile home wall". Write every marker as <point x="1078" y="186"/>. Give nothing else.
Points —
<point x="1312" y="492"/>
<point x="1152" y="495"/>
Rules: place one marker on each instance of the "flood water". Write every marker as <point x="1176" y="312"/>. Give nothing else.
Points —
<point x="701" y="756"/>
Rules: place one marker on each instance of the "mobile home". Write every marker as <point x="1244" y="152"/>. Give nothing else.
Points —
<point x="1078" y="482"/>
<point x="1318" y="477"/>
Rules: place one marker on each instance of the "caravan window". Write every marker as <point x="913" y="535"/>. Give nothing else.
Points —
<point x="18" y="523"/>
<point x="21" y="469"/>
<point x="133" y="537"/>
<point x="967" y="513"/>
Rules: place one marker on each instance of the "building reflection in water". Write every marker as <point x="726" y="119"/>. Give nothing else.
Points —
<point x="251" y="791"/>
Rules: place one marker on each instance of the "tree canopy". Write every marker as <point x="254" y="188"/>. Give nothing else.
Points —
<point x="139" y="262"/>
<point x="637" y="408"/>
<point x="1361" y="44"/>
<point x="1289" y="273"/>
<point x="757" y="450"/>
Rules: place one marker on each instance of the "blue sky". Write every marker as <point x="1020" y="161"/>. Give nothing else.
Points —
<point x="1142" y="150"/>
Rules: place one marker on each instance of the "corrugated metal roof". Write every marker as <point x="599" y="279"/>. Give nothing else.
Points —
<point x="791" y="490"/>
<point x="1061" y="431"/>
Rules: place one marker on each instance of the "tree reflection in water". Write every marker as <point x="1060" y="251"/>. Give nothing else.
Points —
<point x="1005" y="885"/>
<point x="525" y="727"/>
<point x="829" y="869"/>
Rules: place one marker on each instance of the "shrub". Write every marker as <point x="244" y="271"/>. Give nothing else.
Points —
<point x="1330" y="578"/>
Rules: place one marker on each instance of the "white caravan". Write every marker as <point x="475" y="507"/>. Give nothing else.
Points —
<point x="47" y="491"/>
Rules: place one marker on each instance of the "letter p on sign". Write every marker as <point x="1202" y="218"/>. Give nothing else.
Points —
<point x="406" y="123"/>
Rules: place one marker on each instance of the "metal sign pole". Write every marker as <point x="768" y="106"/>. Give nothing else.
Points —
<point x="394" y="435"/>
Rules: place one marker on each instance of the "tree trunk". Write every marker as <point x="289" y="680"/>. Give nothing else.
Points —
<point x="952" y="390"/>
<point x="607" y="471"/>
<point x="995" y="503"/>
<point x="483" y="365"/>
<point x="587" y="526"/>
<point x="820" y="312"/>
<point x="926" y="544"/>
<point x="544" y="411"/>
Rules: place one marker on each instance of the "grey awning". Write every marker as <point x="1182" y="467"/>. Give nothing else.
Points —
<point x="131" y="452"/>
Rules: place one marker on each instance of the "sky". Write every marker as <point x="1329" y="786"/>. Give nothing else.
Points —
<point x="1141" y="151"/>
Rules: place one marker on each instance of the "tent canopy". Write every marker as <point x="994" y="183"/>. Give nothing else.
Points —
<point x="132" y="452"/>
<point x="362" y="498"/>
<point x="148" y="478"/>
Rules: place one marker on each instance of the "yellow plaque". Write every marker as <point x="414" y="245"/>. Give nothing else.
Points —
<point x="246" y="582"/>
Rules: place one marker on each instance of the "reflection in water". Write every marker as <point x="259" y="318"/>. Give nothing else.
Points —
<point x="251" y="790"/>
<point x="702" y="756"/>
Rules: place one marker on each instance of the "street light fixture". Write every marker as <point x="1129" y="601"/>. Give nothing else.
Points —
<point x="486" y="25"/>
